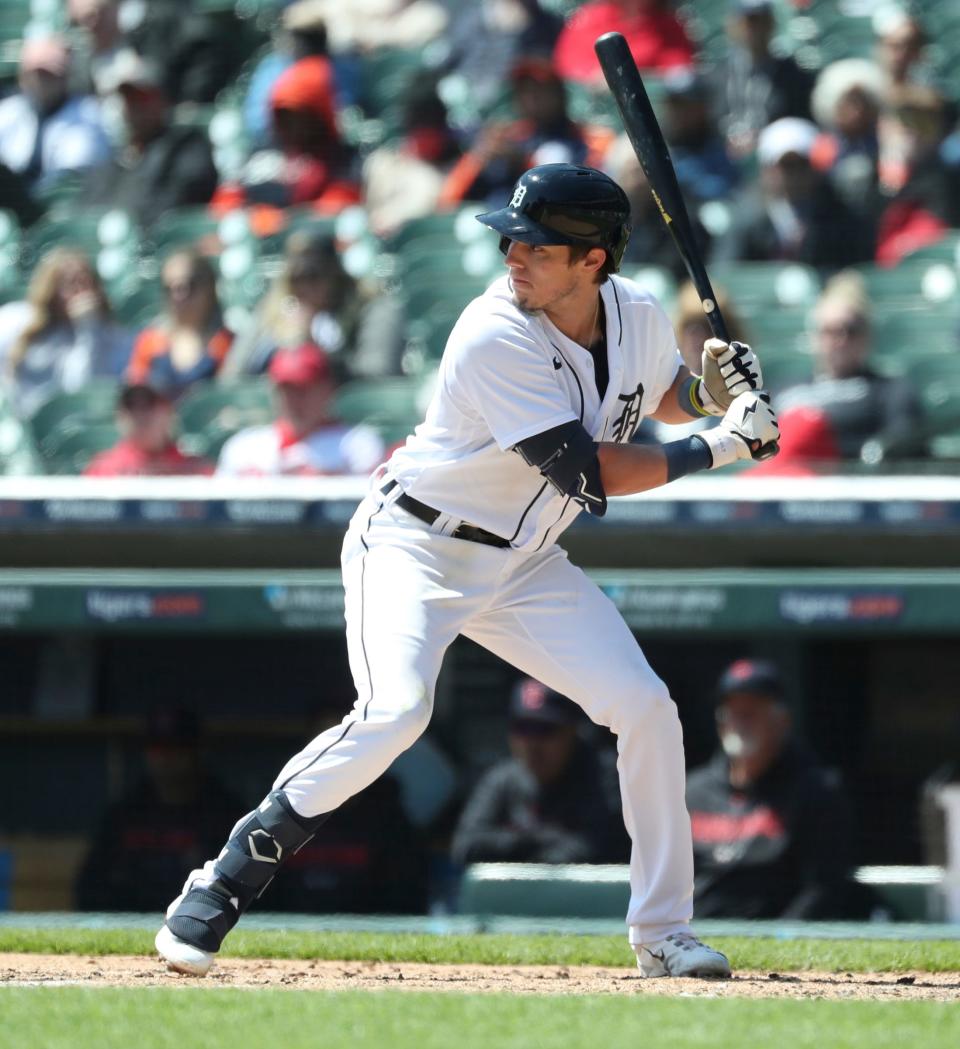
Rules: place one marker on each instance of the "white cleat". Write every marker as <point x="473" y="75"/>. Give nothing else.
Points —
<point x="182" y="957"/>
<point x="681" y="954"/>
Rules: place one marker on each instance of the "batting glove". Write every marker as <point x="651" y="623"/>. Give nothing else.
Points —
<point x="727" y="370"/>
<point x="748" y="430"/>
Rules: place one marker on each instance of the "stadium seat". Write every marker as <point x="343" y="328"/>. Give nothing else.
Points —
<point x="379" y="402"/>
<point x="785" y="370"/>
<point x="913" y="280"/>
<point x="767" y="284"/>
<point x="70" y="452"/>
<point x="69" y="412"/>
<point x="74" y="231"/>
<point x="906" y="333"/>
<point x="210" y="414"/>
<point x="182" y="228"/>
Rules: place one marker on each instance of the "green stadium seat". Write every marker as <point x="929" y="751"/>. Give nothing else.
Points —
<point x="786" y="370"/>
<point x="227" y="407"/>
<point x="70" y="452"/>
<point x="74" y="231"/>
<point x="422" y="299"/>
<point x="775" y="333"/>
<point x="945" y="250"/>
<point x="906" y="333"/>
<point x="764" y="285"/>
<point x="69" y="412"/>
<point x="380" y="402"/>
<point x="181" y="228"/>
<point x="912" y="281"/>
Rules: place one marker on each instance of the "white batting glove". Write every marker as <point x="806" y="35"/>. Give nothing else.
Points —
<point x="727" y="370"/>
<point x="748" y="430"/>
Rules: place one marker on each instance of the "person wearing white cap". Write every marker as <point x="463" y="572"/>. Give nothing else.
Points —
<point x="793" y="213"/>
<point x="44" y="131"/>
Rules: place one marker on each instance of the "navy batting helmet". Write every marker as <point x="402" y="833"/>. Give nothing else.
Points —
<point x="565" y="204"/>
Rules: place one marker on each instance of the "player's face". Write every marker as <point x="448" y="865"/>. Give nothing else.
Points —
<point x="541" y="275"/>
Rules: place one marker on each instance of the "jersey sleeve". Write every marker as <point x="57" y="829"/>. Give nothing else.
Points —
<point x="500" y="373"/>
<point x="664" y="358"/>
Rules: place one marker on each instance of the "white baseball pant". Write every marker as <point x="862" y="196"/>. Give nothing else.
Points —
<point x="410" y="590"/>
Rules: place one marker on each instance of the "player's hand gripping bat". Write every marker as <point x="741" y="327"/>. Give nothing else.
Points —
<point x="640" y="123"/>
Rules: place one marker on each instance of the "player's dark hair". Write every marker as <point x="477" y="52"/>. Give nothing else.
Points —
<point x="579" y="251"/>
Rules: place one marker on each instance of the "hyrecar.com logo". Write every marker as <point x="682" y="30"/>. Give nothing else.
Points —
<point x="124" y="606"/>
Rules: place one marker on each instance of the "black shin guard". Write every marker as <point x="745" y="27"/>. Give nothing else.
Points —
<point x="246" y="866"/>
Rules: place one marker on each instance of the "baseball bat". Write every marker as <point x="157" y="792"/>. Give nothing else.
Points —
<point x="643" y="130"/>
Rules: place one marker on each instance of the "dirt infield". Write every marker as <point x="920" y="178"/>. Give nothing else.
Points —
<point x="120" y="971"/>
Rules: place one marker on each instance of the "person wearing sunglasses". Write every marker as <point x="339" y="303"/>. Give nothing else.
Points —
<point x="189" y="341"/>
<point x="554" y="800"/>
<point x="870" y="415"/>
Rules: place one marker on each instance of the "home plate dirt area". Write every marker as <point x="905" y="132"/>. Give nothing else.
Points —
<point x="125" y="971"/>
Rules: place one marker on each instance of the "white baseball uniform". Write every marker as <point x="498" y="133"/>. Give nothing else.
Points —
<point x="411" y="588"/>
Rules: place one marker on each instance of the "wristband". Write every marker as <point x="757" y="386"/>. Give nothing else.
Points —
<point x="689" y="397"/>
<point x="722" y="445"/>
<point x="687" y="456"/>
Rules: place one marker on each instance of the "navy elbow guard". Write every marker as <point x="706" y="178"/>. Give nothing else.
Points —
<point x="567" y="457"/>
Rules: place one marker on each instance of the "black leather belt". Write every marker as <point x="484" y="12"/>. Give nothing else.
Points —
<point x="428" y="515"/>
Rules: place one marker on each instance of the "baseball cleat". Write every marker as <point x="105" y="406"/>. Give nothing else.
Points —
<point x="681" y="954"/>
<point x="182" y="957"/>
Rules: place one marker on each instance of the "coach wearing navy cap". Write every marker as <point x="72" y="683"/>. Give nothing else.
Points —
<point x="772" y="831"/>
<point x="555" y="800"/>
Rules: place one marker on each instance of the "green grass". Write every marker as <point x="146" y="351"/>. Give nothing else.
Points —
<point x="501" y="949"/>
<point x="76" y="1018"/>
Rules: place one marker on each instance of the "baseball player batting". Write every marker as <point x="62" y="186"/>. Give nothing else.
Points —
<point x="544" y="380"/>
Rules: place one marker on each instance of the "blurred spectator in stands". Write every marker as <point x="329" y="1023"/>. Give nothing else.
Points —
<point x="189" y="342"/>
<point x="197" y="51"/>
<point x="311" y="163"/>
<point x="901" y="47"/>
<point x="808" y="445"/>
<point x="846" y="103"/>
<point x="921" y="185"/>
<point x="307" y="437"/>
<point x="650" y="242"/>
<point x="146" y="419"/>
<point x="403" y="178"/>
<point x="794" y="213"/>
<point x="63" y="334"/>
<point x="543" y="133"/>
<point x="871" y="415"/>
<point x="168" y="822"/>
<point x="486" y="39"/>
<point x="44" y="130"/>
<point x="704" y="169"/>
<point x="773" y="835"/>
<point x="161" y="166"/>
<point x="100" y="40"/>
<point x="755" y="87"/>
<point x="315" y="299"/>
<point x="366" y="25"/>
<point x="298" y="34"/>
<point x="657" y="38"/>
<point x="692" y="327"/>
<point x="555" y="800"/>
<point x="692" y="331"/>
